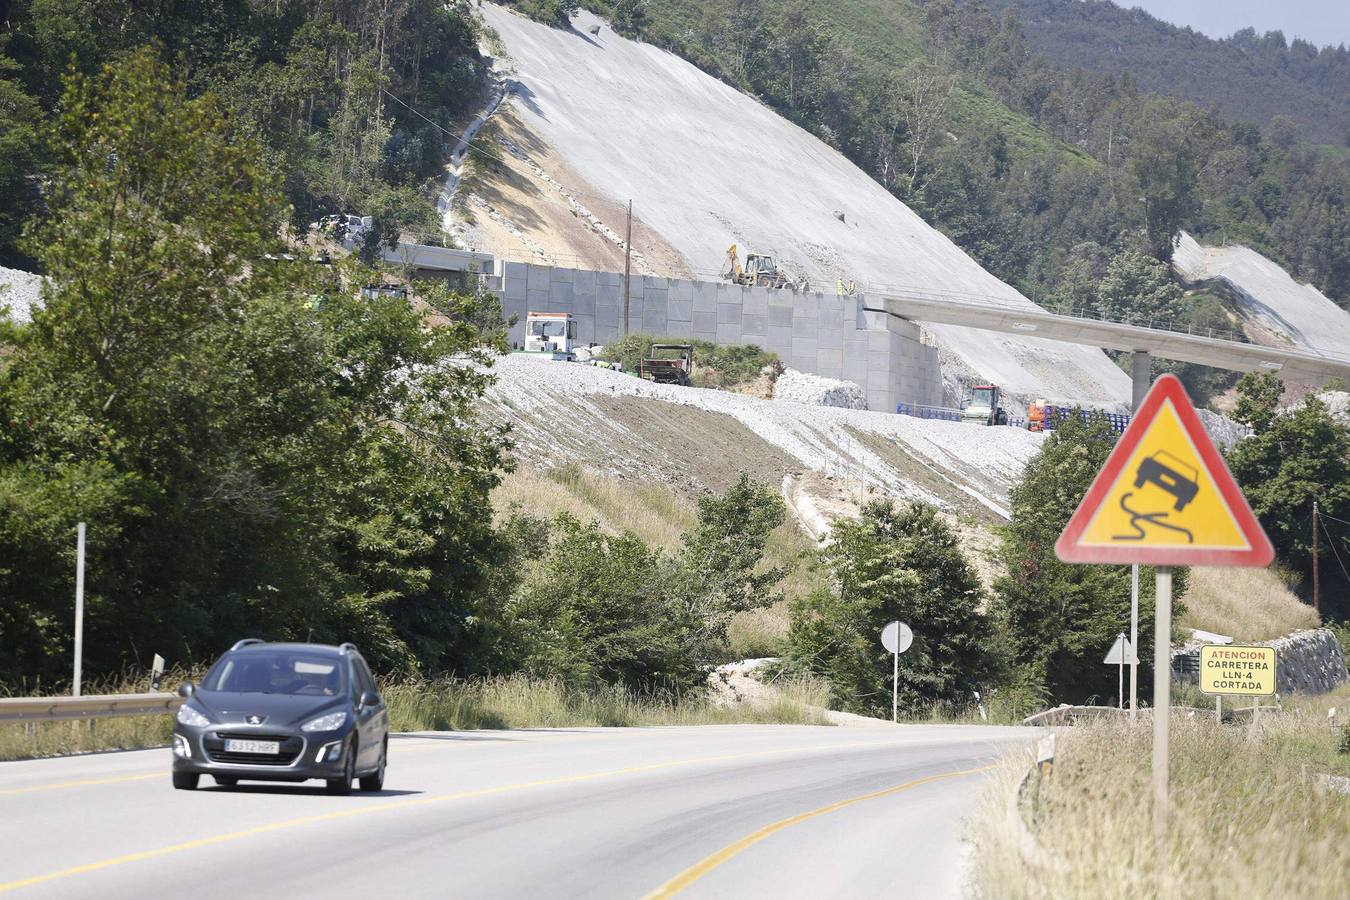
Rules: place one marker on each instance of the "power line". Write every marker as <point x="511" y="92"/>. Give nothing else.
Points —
<point x="1323" y="515"/>
<point x="1335" y="552"/>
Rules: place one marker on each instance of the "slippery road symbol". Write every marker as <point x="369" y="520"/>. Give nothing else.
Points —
<point x="1153" y="470"/>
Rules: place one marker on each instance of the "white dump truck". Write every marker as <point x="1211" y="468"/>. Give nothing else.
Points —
<point x="554" y="333"/>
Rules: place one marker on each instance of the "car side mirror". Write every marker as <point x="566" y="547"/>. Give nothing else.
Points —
<point x="186" y="690"/>
<point x="370" y="698"/>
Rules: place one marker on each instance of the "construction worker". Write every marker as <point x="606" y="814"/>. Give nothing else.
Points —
<point x="839" y="286"/>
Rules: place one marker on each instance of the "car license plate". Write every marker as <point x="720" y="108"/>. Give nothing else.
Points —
<point x="237" y="746"/>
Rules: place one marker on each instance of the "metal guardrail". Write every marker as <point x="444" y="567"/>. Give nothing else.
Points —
<point x="53" y="709"/>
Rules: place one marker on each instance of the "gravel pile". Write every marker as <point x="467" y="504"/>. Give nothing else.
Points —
<point x="801" y="387"/>
<point x="20" y="291"/>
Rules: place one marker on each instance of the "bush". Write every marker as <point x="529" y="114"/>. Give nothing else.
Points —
<point x="602" y="608"/>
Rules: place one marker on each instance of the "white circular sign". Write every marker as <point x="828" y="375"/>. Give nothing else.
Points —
<point x="896" y="637"/>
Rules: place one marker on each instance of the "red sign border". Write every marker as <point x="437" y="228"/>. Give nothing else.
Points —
<point x="1168" y="387"/>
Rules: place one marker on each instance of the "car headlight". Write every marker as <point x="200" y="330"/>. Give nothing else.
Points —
<point x="325" y="723"/>
<point x="189" y="716"/>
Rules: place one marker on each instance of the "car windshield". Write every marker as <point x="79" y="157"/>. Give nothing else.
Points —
<point x="263" y="672"/>
<point x="981" y="397"/>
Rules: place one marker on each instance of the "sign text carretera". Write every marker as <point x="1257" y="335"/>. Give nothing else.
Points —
<point x="1244" y="671"/>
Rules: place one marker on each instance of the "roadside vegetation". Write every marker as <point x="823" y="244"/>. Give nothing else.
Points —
<point x="1246" y="810"/>
<point x="512" y="701"/>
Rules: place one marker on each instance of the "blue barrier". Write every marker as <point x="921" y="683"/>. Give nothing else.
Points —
<point x="1055" y="414"/>
<point x="928" y="412"/>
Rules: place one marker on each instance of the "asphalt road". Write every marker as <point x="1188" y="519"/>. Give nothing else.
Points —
<point x="746" y="811"/>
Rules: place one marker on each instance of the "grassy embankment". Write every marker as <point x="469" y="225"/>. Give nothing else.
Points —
<point x="1249" y="814"/>
<point x="458" y="705"/>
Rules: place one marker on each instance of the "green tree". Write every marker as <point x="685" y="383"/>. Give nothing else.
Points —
<point x="891" y="563"/>
<point x="1258" y="399"/>
<point x="723" y="555"/>
<point x="1297" y="457"/>
<point x="257" y="449"/>
<point x="1061" y="618"/>
<point x="599" y="610"/>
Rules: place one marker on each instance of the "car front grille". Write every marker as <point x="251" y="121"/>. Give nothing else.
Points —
<point x="291" y="748"/>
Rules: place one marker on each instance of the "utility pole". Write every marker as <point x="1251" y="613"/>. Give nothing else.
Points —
<point x="627" y="265"/>
<point x="1317" y="605"/>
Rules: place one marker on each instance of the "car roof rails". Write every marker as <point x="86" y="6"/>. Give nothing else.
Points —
<point x="348" y="647"/>
<point x="247" y="641"/>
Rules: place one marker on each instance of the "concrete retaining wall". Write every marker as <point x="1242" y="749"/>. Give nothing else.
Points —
<point x="823" y="334"/>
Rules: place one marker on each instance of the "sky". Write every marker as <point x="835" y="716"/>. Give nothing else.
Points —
<point x="1320" y="22"/>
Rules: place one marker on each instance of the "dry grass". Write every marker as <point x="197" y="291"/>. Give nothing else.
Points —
<point x="1248" y="815"/>
<point x="653" y="512"/>
<point x="516" y="701"/>
<point x="1245" y="603"/>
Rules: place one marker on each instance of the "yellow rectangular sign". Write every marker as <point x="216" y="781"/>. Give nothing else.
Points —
<point x="1240" y="671"/>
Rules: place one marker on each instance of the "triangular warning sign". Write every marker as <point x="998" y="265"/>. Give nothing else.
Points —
<point x="1165" y="497"/>
<point x="1121" y="653"/>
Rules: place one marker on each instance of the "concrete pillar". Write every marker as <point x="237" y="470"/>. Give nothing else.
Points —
<point x="1139" y="367"/>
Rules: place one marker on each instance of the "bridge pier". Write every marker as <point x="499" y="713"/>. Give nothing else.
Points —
<point x="1140" y="363"/>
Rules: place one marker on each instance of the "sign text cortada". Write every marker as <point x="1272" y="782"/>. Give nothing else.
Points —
<point x="1236" y="670"/>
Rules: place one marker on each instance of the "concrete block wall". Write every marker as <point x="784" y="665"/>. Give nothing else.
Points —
<point x="823" y="334"/>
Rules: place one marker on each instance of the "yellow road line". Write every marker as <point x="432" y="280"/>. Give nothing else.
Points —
<point x="59" y="785"/>
<point x="399" y="805"/>
<point x="703" y="867"/>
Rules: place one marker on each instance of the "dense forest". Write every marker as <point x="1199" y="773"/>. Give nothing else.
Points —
<point x="1291" y="89"/>
<point x="1033" y="168"/>
<point x="346" y="98"/>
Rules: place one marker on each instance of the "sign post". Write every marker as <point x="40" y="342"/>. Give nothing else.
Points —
<point x="1134" y="642"/>
<point x="1121" y="652"/>
<point x="896" y="637"/>
<point x="79" y="611"/>
<point x="1164" y="498"/>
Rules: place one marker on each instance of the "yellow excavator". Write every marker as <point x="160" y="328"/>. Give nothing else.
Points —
<point x="759" y="270"/>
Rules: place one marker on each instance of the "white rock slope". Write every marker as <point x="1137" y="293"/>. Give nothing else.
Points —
<point x="706" y="165"/>
<point x="1299" y="312"/>
<point x="563" y="413"/>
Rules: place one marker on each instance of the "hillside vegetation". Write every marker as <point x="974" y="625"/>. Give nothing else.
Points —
<point x="347" y="100"/>
<point x="1290" y="88"/>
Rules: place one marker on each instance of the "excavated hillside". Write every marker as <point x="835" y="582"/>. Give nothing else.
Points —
<point x="1276" y="309"/>
<point x="591" y="120"/>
